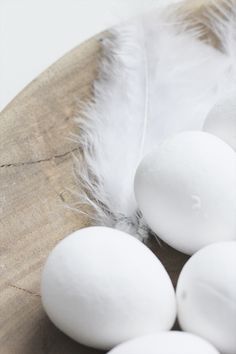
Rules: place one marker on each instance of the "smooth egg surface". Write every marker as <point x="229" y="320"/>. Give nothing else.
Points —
<point x="166" y="343"/>
<point x="186" y="191"/>
<point x="102" y="287"/>
<point x="221" y="121"/>
<point x="206" y="296"/>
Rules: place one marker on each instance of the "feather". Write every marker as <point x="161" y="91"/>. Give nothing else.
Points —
<point x="156" y="79"/>
<point x="221" y="20"/>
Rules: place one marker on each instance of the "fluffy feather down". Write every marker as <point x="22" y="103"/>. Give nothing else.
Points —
<point x="155" y="80"/>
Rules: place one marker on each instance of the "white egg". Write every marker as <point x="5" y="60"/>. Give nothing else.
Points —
<point x="206" y="295"/>
<point x="166" y="343"/>
<point x="186" y="190"/>
<point x="102" y="287"/>
<point x="221" y="121"/>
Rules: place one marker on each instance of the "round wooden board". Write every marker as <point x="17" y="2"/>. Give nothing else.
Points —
<point x="36" y="177"/>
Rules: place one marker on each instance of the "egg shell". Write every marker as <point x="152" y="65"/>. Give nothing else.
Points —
<point x="221" y="121"/>
<point x="166" y="343"/>
<point x="186" y="191"/>
<point x="206" y="296"/>
<point x="102" y="287"/>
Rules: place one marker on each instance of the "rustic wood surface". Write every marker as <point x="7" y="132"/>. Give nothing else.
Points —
<point x="36" y="179"/>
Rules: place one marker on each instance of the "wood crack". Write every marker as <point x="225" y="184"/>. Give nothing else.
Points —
<point x="24" y="290"/>
<point x="28" y="163"/>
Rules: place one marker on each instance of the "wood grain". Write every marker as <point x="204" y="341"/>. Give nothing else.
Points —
<point x="36" y="176"/>
<point x="36" y="179"/>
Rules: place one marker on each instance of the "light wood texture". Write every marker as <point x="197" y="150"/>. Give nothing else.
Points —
<point x="36" y="177"/>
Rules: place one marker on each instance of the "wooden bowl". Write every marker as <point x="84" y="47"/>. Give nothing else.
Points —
<point x="36" y="177"/>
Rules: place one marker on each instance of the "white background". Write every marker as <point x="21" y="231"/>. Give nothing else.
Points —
<point x="35" y="33"/>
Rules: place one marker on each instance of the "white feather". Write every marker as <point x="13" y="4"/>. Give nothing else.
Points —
<point x="155" y="80"/>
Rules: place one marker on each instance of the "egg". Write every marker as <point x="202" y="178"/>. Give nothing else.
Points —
<point x="221" y="120"/>
<point x="102" y="287"/>
<point x="186" y="191"/>
<point x="206" y="296"/>
<point x="166" y="343"/>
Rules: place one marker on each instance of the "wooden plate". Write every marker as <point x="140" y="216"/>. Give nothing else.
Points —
<point x="36" y="177"/>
